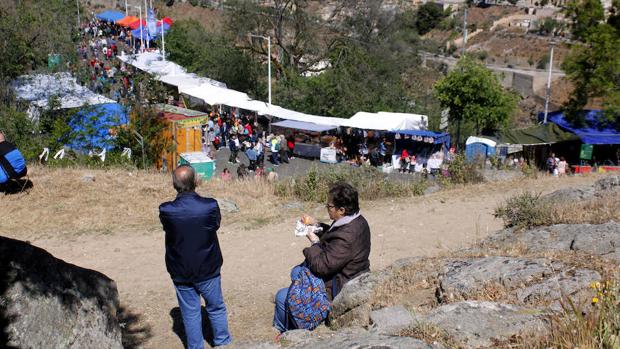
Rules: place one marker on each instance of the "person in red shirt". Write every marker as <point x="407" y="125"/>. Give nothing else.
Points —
<point x="404" y="161"/>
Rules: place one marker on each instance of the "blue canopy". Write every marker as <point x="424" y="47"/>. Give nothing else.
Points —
<point x="301" y="125"/>
<point x="595" y="131"/>
<point x="147" y="35"/>
<point x="110" y="15"/>
<point x="428" y="136"/>
<point x="145" y="32"/>
<point x="91" y="126"/>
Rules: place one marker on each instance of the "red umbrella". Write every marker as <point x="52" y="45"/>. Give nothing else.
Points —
<point x="136" y="24"/>
<point x="167" y="20"/>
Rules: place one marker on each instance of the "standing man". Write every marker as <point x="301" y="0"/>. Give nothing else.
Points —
<point x="194" y="258"/>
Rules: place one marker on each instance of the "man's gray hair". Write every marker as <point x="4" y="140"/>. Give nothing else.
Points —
<point x="184" y="179"/>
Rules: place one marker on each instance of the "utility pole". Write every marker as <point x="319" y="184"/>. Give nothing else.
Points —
<point x="77" y="2"/>
<point x="464" y="31"/>
<point x="163" y="41"/>
<point x="268" y="38"/>
<point x="548" y="96"/>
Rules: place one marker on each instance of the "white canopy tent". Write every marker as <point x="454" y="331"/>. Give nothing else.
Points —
<point x="386" y="121"/>
<point x="166" y="71"/>
<point x="287" y="114"/>
<point x="39" y="89"/>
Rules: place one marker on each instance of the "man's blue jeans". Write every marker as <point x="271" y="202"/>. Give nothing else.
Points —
<point x="282" y="319"/>
<point x="188" y="296"/>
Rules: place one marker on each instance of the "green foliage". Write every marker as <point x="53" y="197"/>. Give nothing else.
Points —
<point x="462" y="172"/>
<point x="549" y="26"/>
<point x="145" y="121"/>
<point x="475" y="97"/>
<point x="359" y="79"/>
<point x="370" y="183"/>
<point x="30" y="30"/>
<point x="542" y="62"/>
<point x="594" y="69"/>
<point x="212" y="55"/>
<point x="524" y="211"/>
<point x="585" y="16"/>
<point x="429" y="16"/>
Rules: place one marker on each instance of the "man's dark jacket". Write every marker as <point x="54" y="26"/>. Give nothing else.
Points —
<point x="341" y="255"/>
<point x="192" y="249"/>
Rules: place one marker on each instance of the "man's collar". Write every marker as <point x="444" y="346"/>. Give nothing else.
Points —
<point x="187" y="193"/>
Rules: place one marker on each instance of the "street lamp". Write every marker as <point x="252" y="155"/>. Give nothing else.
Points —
<point x="548" y="96"/>
<point x="268" y="38"/>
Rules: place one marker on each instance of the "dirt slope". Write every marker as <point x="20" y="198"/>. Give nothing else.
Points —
<point x="258" y="243"/>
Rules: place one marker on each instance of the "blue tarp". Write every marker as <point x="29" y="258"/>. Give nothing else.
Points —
<point x="111" y="15"/>
<point x="301" y="125"/>
<point x="148" y="35"/>
<point x="438" y="138"/>
<point x="92" y="125"/>
<point x="593" y="133"/>
<point x="136" y="34"/>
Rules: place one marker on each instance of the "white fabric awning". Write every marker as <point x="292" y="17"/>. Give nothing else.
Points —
<point x="166" y="71"/>
<point x="287" y="114"/>
<point x="385" y="121"/>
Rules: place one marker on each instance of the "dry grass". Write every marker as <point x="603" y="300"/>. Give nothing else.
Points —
<point x="62" y="203"/>
<point x="431" y="334"/>
<point x="596" y="211"/>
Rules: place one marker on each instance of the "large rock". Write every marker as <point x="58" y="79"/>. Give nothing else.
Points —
<point x="358" y="339"/>
<point x="391" y="320"/>
<point x="352" y="305"/>
<point x="565" y="284"/>
<point x="598" y="239"/>
<point x="47" y="303"/>
<point x="602" y="187"/>
<point x="477" y="324"/>
<point x="462" y="278"/>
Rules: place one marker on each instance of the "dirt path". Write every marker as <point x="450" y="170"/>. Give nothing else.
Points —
<point x="256" y="262"/>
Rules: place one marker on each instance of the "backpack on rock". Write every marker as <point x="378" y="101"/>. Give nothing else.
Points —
<point x="307" y="299"/>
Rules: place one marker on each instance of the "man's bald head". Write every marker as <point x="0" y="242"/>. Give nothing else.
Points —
<point x="1" y="137"/>
<point x="184" y="179"/>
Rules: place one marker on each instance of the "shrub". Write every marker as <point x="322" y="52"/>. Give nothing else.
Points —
<point x="370" y="183"/>
<point x="462" y="172"/>
<point x="524" y="211"/>
<point x="595" y="327"/>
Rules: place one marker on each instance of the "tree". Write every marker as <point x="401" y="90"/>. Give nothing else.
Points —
<point x="594" y="69"/>
<point x="30" y="30"/>
<point x="212" y="55"/>
<point x="429" y="16"/>
<point x="584" y="15"/>
<point x="475" y="97"/>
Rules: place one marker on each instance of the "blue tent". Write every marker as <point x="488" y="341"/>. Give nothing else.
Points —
<point x="91" y="126"/>
<point x="145" y="32"/>
<point x="429" y="136"/>
<point x="148" y="35"/>
<point x="594" y="132"/>
<point x="110" y="15"/>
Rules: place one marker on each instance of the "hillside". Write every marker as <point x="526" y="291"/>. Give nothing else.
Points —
<point x="108" y="221"/>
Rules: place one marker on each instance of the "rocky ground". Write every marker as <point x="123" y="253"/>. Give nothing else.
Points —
<point x="427" y="276"/>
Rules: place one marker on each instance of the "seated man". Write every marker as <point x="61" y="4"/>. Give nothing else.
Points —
<point x="12" y="163"/>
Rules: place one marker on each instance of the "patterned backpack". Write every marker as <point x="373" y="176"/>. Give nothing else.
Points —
<point x="307" y="299"/>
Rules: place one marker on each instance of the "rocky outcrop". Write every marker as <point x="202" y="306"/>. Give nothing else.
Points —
<point x="462" y="278"/>
<point x="477" y="324"/>
<point x="601" y="240"/>
<point x="600" y="188"/>
<point x="350" y="338"/>
<point x="47" y="303"/>
<point x="391" y="320"/>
